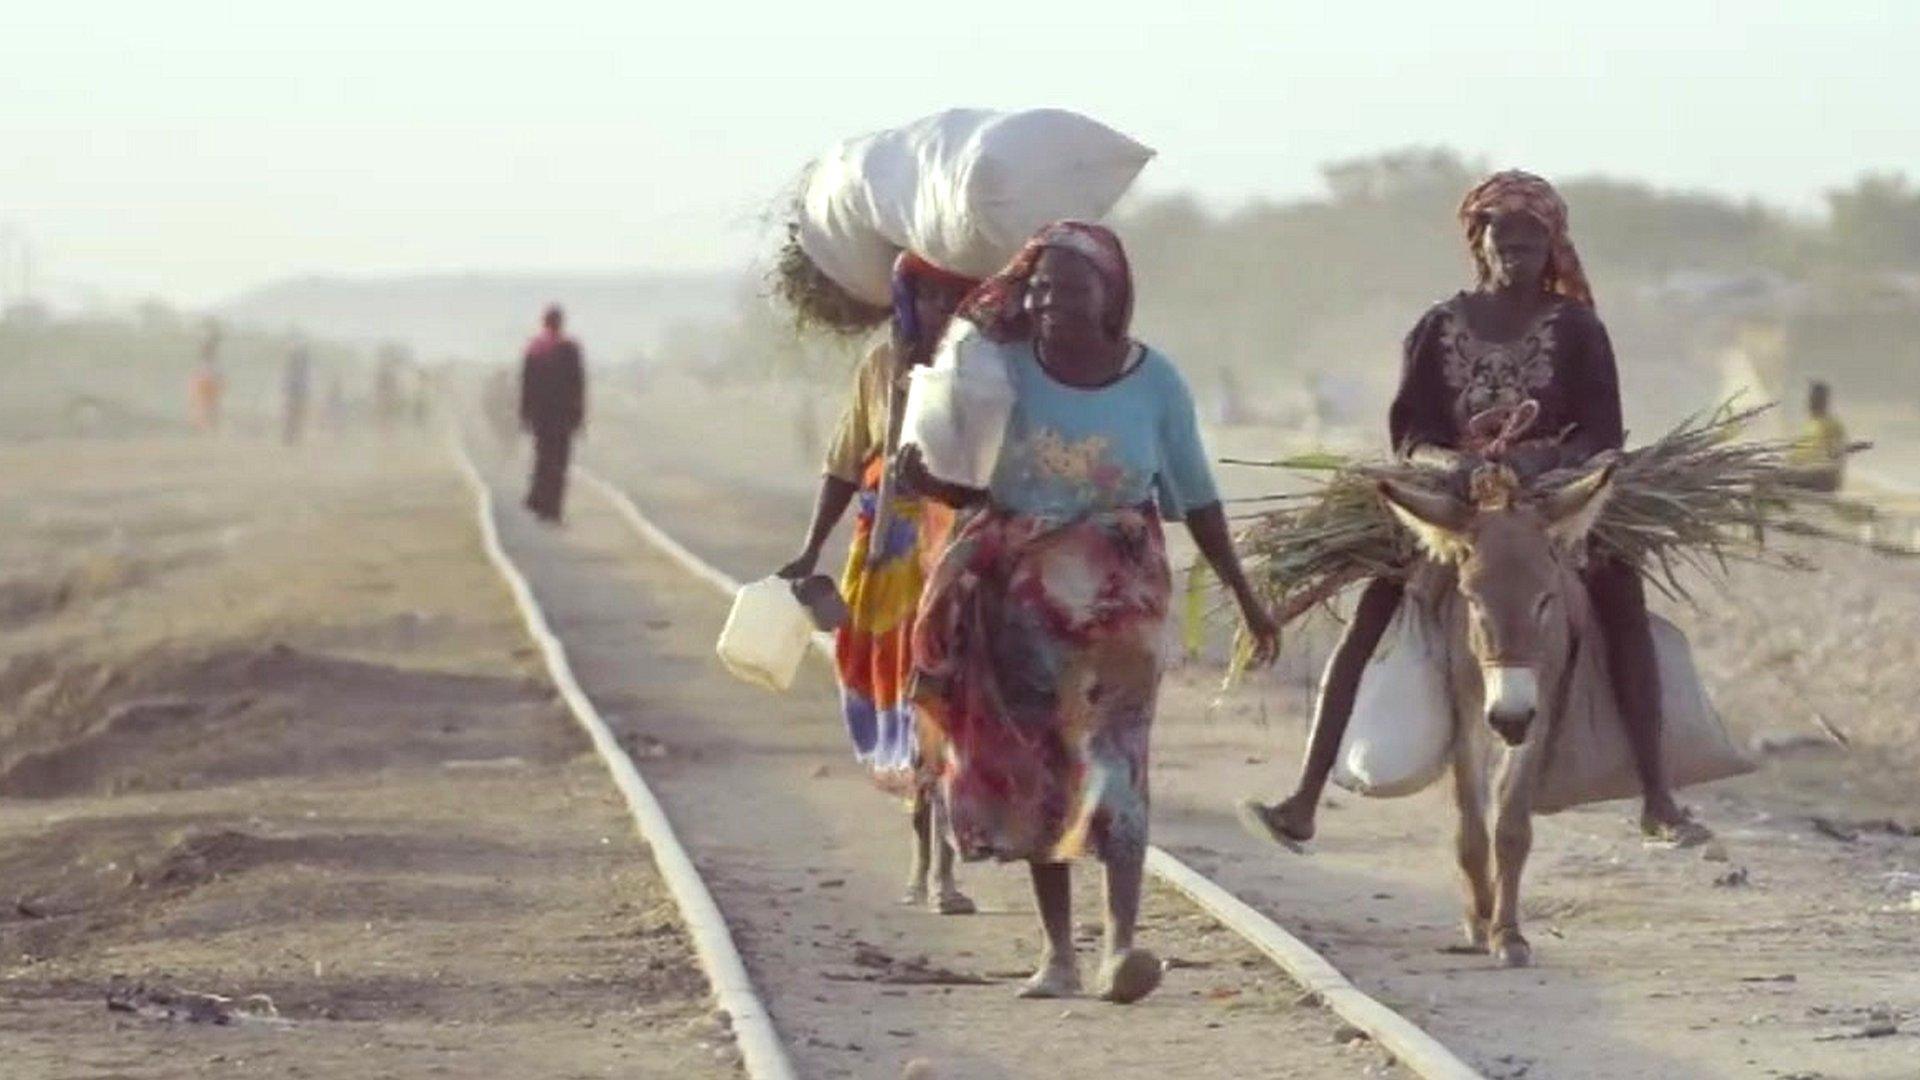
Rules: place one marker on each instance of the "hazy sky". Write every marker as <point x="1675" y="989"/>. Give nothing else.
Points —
<point x="193" y="149"/>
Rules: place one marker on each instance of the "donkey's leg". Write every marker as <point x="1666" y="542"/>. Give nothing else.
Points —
<point x="947" y="897"/>
<point x="1470" y="841"/>
<point x="1512" y="840"/>
<point x="916" y="894"/>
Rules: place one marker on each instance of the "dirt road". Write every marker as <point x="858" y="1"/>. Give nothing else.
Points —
<point x="269" y="726"/>
<point x="1785" y="950"/>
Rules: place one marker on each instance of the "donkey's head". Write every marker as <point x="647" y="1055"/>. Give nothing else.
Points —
<point x="1512" y="549"/>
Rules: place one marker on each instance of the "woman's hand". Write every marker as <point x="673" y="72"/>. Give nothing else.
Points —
<point x="1262" y="630"/>
<point x="802" y="566"/>
<point x="1208" y="524"/>
<point x="1462" y="462"/>
<point x="1533" y="459"/>
<point x="910" y="476"/>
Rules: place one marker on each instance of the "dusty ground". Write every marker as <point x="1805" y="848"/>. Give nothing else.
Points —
<point x="269" y="726"/>
<point x="1770" y="959"/>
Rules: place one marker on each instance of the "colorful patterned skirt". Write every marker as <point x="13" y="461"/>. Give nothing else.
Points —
<point x="873" y="650"/>
<point x="1038" y="657"/>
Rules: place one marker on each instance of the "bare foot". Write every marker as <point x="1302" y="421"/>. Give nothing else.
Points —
<point x="1129" y="976"/>
<point x="1477" y="933"/>
<point x="1511" y="949"/>
<point x="1283" y="823"/>
<point x="953" y="902"/>
<point x="915" y="896"/>
<point x="1671" y="826"/>
<point x="1053" y="980"/>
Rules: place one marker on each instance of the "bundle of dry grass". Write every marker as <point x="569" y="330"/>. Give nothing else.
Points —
<point x="1697" y="499"/>
<point x="817" y="302"/>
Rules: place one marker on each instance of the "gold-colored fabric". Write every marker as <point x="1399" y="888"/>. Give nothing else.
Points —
<point x="862" y="432"/>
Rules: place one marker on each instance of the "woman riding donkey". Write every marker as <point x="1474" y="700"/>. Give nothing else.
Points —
<point x="896" y="537"/>
<point x="1527" y="333"/>
<point x="1040" y="641"/>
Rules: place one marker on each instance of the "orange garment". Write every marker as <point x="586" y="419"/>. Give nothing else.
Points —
<point x="204" y="391"/>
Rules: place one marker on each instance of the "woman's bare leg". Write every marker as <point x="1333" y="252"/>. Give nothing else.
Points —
<point x="1127" y="974"/>
<point x="947" y="897"/>
<point x="1059" y="974"/>
<point x="916" y="894"/>
<point x="1291" y="821"/>
<point x="1620" y="605"/>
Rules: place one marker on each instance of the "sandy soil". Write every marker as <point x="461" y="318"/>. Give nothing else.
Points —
<point x="1773" y="953"/>
<point x="269" y="726"/>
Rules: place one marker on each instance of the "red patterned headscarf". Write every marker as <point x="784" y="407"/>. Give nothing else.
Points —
<point x="911" y="275"/>
<point x="1529" y="194"/>
<point x="999" y="306"/>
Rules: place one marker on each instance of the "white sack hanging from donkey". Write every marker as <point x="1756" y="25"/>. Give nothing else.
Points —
<point x="1399" y="738"/>
<point x="1588" y="759"/>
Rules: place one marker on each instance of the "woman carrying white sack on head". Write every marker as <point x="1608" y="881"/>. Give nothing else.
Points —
<point x="1040" y="640"/>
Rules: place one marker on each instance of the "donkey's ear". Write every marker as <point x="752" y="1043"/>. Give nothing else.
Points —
<point x="1572" y="509"/>
<point x="1438" y="520"/>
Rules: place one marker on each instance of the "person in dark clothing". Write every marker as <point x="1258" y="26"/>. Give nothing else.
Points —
<point x="1527" y="332"/>
<point x="296" y="388"/>
<point x="553" y="405"/>
<point x="387" y="406"/>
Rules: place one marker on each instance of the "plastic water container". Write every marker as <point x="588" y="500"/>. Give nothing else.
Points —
<point x="766" y="634"/>
<point x="958" y="409"/>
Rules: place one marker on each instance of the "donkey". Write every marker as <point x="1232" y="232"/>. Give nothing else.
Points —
<point x="1513" y="621"/>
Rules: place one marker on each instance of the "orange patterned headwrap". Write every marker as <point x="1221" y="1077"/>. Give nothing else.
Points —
<point x="1529" y="194"/>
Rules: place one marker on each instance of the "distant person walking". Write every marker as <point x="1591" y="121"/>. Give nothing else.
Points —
<point x="553" y="405"/>
<point x="208" y="385"/>
<point x="1820" y="453"/>
<point x="296" y="392"/>
<point x="388" y="406"/>
<point x="336" y="404"/>
<point x="421" y="405"/>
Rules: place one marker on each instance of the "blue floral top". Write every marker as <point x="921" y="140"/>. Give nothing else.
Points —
<point x="1070" y="451"/>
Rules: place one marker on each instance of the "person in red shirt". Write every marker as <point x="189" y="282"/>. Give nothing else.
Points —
<point x="553" y="405"/>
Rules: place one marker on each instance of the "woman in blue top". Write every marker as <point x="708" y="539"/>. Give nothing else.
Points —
<point x="1040" y="639"/>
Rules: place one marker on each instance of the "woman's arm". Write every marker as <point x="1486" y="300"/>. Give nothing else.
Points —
<point x="835" y="495"/>
<point x="1186" y="486"/>
<point x="910" y="470"/>
<point x="1208" y="526"/>
<point x="1421" y="424"/>
<point x="847" y="455"/>
<point x="1598" y="423"/>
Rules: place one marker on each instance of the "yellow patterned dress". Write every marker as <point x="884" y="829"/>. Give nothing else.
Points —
<point x="873" y="650"/>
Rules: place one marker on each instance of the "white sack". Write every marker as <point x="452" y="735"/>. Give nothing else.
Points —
<point x="962" y="188"/>
<point x="1400" y="736"/>
<point x="958" y="407"/>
